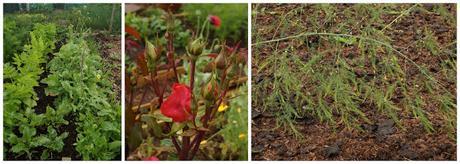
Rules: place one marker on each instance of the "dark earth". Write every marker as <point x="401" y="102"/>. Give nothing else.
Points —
<point x="382" y="140"/>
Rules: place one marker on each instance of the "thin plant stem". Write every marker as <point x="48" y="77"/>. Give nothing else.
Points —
<point x="359" y="37"/>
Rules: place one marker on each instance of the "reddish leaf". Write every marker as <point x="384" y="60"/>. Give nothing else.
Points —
<point x="141" y="63"/>
<point x="133" y="32"/>
<point x="212" y="55"/>
<point x="131" y="43"/>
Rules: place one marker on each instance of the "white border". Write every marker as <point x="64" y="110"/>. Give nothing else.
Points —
<point x="122" y="82"/>
<point x="249" y="80"/>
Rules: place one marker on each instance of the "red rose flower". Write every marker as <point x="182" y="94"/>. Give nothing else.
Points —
<point x="215" y="20"/>
<point x="177" y="105"/>
<point x="152" y="158"/>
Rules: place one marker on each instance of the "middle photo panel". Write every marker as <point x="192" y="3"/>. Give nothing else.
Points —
<point x="186" y="93"/>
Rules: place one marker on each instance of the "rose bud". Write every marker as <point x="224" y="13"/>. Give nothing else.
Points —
<point x="221" y="61"/>
<point x="210" y="90"/>
<point x="195" y="48"/>
<point x="152" y="51"/>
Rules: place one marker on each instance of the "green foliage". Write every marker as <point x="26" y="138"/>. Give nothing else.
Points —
<point x="234" y="19"/>
<point x="21" y="76"/>
<point x="154" y="25"/>
<point x="25" y="52"/>
<point x="94" y="16"/>
<point x="82" y="87"/>
<point x="16" y="29"/>
<point x="234" y="131"/>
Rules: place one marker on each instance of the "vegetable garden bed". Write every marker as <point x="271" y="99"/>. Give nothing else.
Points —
<point x="59" y="100"/>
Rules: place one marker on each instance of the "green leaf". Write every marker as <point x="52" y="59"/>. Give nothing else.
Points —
<point x="45" y="155"/>
<point x="109" y="126"/>
<point x="189" y="133"/>
<point x="20" y="147"/>
<point x="157" y="114"/>
<point x="42" y="140"/>
<point x="176" y="127"/>
<point x="115" y="145"/>
<point x="27" y="132"/>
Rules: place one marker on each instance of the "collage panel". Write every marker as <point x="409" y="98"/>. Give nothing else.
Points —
<point x="61" y="81"/>
<point x="186" y="93"/>
<point x="354" y="82"/>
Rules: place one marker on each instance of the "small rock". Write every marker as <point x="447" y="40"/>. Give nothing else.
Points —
<point x="255" y="114"/>
<point x="332" y="151"/>
<point x="258" y="149"/>
<point x="307" y="120"/>
<point x="409" y="154"/>
<point x="386" y="127"/>
<point x="368" y="127"/>
<point x="281" y="150"/>
<point x="259" y="79"/>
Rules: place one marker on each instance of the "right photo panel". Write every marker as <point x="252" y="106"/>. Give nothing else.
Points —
<point x="354" y="82"/>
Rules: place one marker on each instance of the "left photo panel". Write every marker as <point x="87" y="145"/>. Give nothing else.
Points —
<point x="62" y="81"/>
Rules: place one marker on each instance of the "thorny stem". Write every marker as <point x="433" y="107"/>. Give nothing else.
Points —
<point x="186" y="139"/>
<point x="154" y="84"/>
<point x="131" y="95"/>
<point x="144" y="91"/>
<point x="207" y="117"/>
<point x="174" y="141"/>
<point x="176" y="145"/>
<point x="172" y="60"/>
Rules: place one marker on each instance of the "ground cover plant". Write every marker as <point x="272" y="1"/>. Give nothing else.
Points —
<point x="354" y="82"/>
<point x="61" y="95"/>
<point x="186" y="92"/>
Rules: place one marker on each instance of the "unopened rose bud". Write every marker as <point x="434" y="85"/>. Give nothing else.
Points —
<point x="210" y="90"/>
<point x="152" y="51"/>
<point x="195" y="48"/>
<point x="221" y="61"/>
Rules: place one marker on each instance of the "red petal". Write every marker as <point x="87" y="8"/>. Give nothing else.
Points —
<point x="177" y="105"/>
<point x="215" y="20"/>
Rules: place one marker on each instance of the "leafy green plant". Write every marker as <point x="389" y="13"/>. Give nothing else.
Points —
<point x="81" y="87"/>
<point x="35" y="129"/>
<point x="20" y="98"/>
<point x="16" y="31"/>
